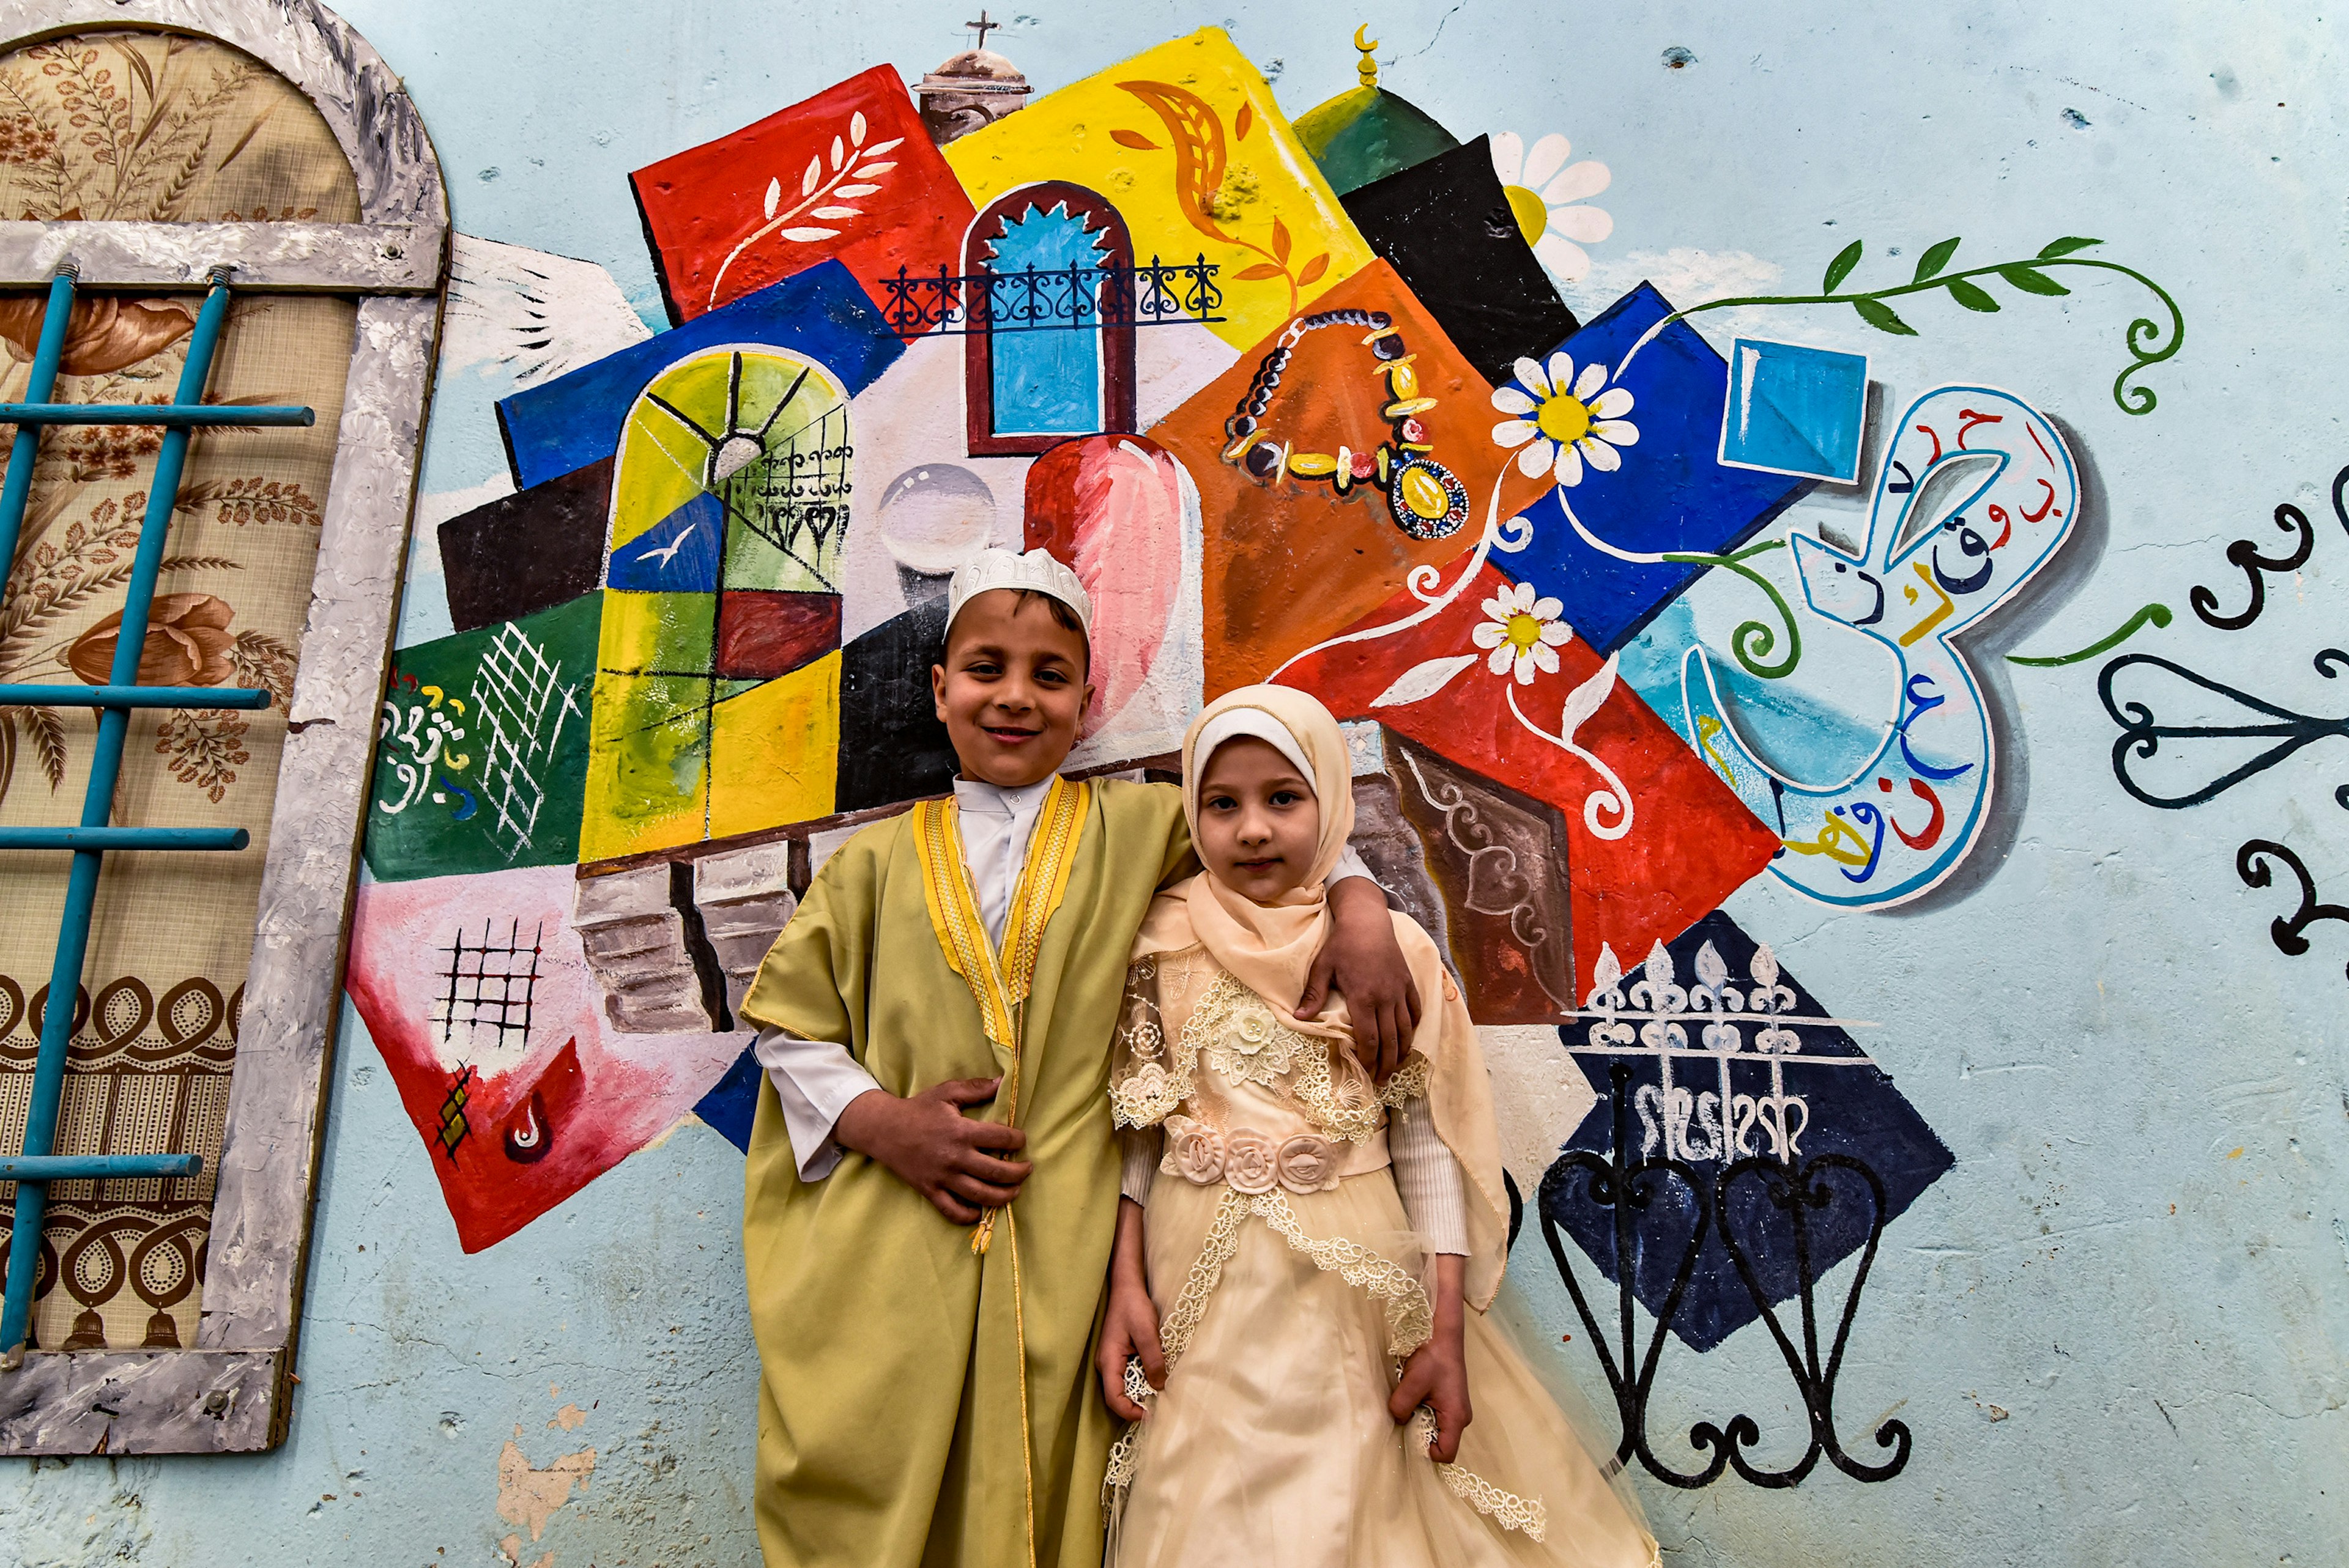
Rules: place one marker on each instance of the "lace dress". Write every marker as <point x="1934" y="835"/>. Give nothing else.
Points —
<point x="1290" y="1284"/>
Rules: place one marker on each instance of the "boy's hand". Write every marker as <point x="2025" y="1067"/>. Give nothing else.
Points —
<point x="1366" y="964"/>
<point x="935" y="1149"/>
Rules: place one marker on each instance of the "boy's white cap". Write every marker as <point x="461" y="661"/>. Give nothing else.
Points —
<point x="1037" y="571"/>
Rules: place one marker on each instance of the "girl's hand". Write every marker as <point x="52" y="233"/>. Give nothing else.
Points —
<point x="1436" y="1375"/>
<point x="1130" y="1327"/>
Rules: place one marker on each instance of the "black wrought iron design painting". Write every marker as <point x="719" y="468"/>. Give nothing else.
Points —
<point x="1727" y="1205"/>
<point x="2131" y="685"/>
<point x="1070" y="298"/>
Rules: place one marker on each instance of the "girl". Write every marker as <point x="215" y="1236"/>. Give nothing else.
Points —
<point x="1317" y="1252"/>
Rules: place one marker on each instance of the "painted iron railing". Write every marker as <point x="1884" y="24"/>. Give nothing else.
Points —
<point x="95" y="836"/>
<point x="1632" y="1189"/>
<point x="1066" y="299"/>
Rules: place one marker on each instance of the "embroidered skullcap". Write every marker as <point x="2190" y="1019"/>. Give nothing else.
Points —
<point x="1037" y="572"/>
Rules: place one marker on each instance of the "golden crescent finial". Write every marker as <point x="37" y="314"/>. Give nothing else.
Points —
<point x="1367" y="68"/>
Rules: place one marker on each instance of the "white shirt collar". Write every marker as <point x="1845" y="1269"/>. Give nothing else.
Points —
<point x="1000" y="800"/>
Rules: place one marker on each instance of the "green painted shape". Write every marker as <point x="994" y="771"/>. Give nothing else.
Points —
<point x="652" y="733"/>
<point x="516" y="799"/>
<point x="1368" y="134"/>
<point x="669" y="633"/>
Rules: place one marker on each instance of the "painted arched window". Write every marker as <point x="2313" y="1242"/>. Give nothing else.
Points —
<point x="1050" y="348"/>
<point x="717" y="670"/>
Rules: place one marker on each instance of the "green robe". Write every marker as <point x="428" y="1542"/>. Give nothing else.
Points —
<point x="889" y="1409"/>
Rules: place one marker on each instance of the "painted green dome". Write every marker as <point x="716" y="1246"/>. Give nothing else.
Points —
<point x="1368" y="133"/>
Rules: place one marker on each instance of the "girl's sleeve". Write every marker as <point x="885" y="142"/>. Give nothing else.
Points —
<point x="1140" y="1090"/>
<point x="1428" y="1179"/>
<point x="1141" y="1148"/>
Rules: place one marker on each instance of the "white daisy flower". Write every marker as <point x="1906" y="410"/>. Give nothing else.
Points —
<point x="1559" y="421"/>
<point x="1544" y="191"/>
<point x="1524" y="632"/>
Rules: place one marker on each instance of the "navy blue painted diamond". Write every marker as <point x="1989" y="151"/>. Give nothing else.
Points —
<point x="1827" y="1097"/>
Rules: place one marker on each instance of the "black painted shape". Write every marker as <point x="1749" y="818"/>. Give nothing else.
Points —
<point x="527" y="551"/>
<point x="2252" y="865"/>
<point x="2245" y="553"/>
<point x="892" y="745"/>
<point x="1446" y="228"/>
<point x="2142" y="732"/>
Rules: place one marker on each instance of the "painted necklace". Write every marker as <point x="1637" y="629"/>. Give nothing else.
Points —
<point x="1427" y="501"/>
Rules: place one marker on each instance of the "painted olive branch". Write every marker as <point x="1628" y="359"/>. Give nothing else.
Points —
<point x="2147" y="343"/>
<point x="1753" y="641"/>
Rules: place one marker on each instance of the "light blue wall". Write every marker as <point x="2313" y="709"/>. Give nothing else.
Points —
<point x="2118" y="1328"/>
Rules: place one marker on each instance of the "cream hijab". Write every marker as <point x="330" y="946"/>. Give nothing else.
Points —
<point x="1269" y="948"/>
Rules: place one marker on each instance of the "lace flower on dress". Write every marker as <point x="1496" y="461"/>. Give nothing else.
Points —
<point x="1253" y="1046"/>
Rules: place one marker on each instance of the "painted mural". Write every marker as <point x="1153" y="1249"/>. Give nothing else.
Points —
<point x="1301" y="401"/>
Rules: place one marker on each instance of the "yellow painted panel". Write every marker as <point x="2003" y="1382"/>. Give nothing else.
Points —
<point x="648" y="765"/>
<point x="775" y="751"/>
<point x="1186" y="142"/>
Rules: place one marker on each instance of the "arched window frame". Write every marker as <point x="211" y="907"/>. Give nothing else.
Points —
<point x="230" y="1391"/>
<point x="1116" y="324"/>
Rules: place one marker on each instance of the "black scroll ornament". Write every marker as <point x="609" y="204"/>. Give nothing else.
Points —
<point x="2252" y="865"/>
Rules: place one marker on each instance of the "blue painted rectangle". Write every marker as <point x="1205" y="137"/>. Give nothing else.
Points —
<point x="1795" y="410"/>
<point x="575" y="419"/>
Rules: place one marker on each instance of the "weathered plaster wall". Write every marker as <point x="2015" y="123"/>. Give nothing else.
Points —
<point x="2117" y="1328"/>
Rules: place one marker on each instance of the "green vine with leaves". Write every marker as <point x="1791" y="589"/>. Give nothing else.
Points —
<point x="2147" y="343"/>
<point x="1753" y="641"/>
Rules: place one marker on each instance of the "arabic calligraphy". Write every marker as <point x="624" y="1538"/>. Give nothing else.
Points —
<point x="429" y="731"/>
<point x="1903" y="820"/>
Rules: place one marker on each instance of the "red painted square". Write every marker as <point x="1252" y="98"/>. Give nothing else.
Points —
<point x="763" y="632"/>
<point x="849" y="172"/>
<point x="1690" y="842"/>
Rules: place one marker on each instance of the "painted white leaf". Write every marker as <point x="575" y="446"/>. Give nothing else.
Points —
<point x="850" y="191"/>
<point x="805" y="234"/>
<point x="1421" y="682"/>
<point x="814" y="172"/>
<point x="836" y="212"/>
<point x="1659" y="967"/>
<point x="1587" y="698"/>
<point x="1607" y="971"/>
<point x="878" y="148"/>
<point x="1764" y="966"/>
<point x="1711" y="972"/>
<point x="856" y="127"/>
<point x="839" y="154"/>
<point x="774" y="196"/>
<point x="867" y="171"/>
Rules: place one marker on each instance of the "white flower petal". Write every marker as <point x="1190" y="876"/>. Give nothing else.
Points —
<point x="1487" y="635"/>
<point x="1562" y="256"/>
<point x="1561" y="370"/>
<point x="1514" y="433"/>
<point x="1617" y="432"/>
<point x="1497" y="606"/>
<point x="1594" y="377"/>
<point x="1543" y="657"/>
<point x="1612" y="404"/>
<point x="1530" y="373"/>
<point x="1512" y="400"/>
<point x="1557" y="634"/>
<point x="1588" y="224"/>
<point x="1547" y="609"/>
<point x="1525" y="669"/>
<point x="1599" y="455"/>
<point x="1502" y="656"/>
<point x="1534" y="460"/>
<point x="1578" y="182"/>
<point x="1546" y="158"/>
<point x="1569" y="467"/>
<point x="1521" y="598"/>
<point x="1509" y="157"/>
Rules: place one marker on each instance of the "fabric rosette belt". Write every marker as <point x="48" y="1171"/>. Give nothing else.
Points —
<point x="1247" y="1161"/>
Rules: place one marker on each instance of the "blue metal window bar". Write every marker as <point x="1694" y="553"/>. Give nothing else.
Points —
<point x="94" y="838"/>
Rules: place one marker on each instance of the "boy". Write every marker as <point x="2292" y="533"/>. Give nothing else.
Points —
<point x="925" y="1341"/>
